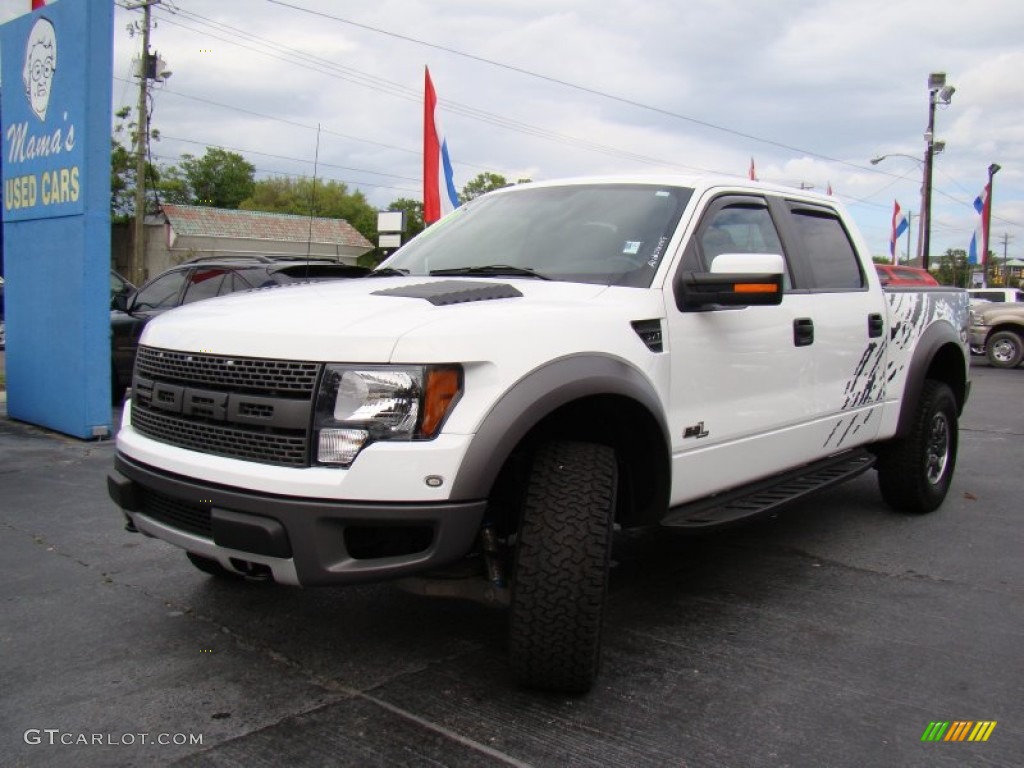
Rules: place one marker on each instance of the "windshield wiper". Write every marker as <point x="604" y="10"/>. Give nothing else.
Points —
<point x="387" y="272"/>
<point x="491" y="270"/>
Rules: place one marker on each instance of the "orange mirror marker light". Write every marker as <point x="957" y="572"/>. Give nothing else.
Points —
<point x="755" y="288"/>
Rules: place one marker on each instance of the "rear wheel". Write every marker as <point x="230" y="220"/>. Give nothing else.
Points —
<point x="1004" y="349"/>
<point x="914" y="472"/>
<point x="561" y="567"/>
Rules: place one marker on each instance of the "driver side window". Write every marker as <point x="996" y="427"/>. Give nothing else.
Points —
<point x="736" y="225"/>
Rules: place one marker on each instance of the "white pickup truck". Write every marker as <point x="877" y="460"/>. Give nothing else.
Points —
<point x="545" y="365"/>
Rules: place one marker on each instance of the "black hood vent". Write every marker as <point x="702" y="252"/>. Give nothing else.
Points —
<point x="446" y="292"/>
<point x="649" y="332"/>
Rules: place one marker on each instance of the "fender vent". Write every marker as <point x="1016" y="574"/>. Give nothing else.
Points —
<point x="447" y="292"/>
<point x="649" y="332"/>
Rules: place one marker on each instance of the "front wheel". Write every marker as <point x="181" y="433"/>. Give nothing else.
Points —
<point x="914" y="472"/>
<point x="561" y="567"/>
<point x="1004" y="349"/>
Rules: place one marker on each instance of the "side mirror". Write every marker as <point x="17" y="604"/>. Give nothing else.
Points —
<point x="735" y="280"/>
<point x="119" y="302"/>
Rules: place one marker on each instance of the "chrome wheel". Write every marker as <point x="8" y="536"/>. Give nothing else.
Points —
<point x="1004" y="351"/>
<point x="937" y="454"/>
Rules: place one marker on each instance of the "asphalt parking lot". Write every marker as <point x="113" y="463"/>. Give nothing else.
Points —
<point x="830" y="635"/>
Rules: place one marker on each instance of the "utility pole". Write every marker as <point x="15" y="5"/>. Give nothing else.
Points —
<point x="141" y="141"/>
<point x="1006" y="271"/>
<point x="938" y="93"/>
<point x="910" y="228"/>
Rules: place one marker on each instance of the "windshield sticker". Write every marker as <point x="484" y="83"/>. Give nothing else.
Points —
<point x="662" y="193"/>
<point x="632" y="247"/>
<point x="653" y="261"/>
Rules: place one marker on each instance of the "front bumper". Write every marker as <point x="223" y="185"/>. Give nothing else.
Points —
<point x="304" y="542"/>
<point x="978" y="334"/>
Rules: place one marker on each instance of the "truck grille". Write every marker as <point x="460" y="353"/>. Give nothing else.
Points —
<point x="242" y="408"/>
<point x="238" y="373"/>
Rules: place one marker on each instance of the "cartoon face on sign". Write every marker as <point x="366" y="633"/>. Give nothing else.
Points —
<point x="40" y="64"/>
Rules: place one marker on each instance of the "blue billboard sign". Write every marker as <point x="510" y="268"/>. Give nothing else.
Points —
<point x="44" y="119"/>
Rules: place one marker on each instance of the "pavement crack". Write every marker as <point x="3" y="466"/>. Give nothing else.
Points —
<point x="335" y="690"/>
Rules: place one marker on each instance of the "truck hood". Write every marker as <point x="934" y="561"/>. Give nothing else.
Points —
<point x="353" y="320"/>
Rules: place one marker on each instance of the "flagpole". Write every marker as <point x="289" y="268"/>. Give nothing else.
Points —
<point x="910" y="229"/>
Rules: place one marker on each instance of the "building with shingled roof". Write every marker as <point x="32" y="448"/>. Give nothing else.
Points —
<point x="190" y="231"/>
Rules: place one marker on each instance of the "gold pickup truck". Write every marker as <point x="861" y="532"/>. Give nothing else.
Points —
<point x="997" y="331"/>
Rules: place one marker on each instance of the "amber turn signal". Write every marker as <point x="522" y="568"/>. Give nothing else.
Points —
<point x="443" y="386"/>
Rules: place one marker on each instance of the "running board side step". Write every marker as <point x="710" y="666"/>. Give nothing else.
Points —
<point x="768" y="495"/>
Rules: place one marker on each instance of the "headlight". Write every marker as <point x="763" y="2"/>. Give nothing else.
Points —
<point x="359" y="405"/>
<point x="977" y="318"/>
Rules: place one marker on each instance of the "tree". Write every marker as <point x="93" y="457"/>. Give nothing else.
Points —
<point x="122" y="168"/>
<point x="122" y="181"/>
<point x="219" y="179"/>
<point x="484" y="182"/>
<point x="173" y="187"/>
<point x="329" y="199"/>
<point x="954" y="269"/>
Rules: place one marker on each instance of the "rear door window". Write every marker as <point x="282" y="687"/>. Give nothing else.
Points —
<point x="831" y="257"/>
<point x="234" y="282"/>
<point x="204" y="283"/>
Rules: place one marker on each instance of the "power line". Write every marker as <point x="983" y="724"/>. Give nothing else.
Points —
<point x="301" y="58"/>
<point x="576" y="86"/>
<point x="381" y="85"/>
<point x="288" y="174"/>
<point x="292" y="159"/>
<point x="284" y="120"/>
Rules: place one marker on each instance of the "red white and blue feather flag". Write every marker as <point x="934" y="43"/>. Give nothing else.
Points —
<point x="899" y="226"/>
<point x="439" y="195"/>
<point x="978" y="252"/>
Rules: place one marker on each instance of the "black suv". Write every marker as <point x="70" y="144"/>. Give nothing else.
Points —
<point x="198" y="279"/>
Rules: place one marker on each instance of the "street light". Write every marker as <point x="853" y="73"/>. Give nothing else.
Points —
<point x="939" y="146"/>
<point x="938" y="93"/>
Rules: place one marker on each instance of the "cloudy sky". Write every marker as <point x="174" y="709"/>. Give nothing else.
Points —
<point x="810" y="89"/>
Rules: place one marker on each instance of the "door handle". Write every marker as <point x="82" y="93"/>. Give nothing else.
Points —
<point x="876" y="326"/>
<point x="803" y="332"/>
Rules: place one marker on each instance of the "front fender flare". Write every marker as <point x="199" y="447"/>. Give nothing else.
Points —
<point x="535" y="396"/>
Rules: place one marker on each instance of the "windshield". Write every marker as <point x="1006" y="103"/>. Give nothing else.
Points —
<point x="609" y="234"/>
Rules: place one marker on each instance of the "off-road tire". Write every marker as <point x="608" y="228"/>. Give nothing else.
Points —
<point x="914" y="472"/>
<point x="560" y="581"/>
<point x="1004" y="349"/>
